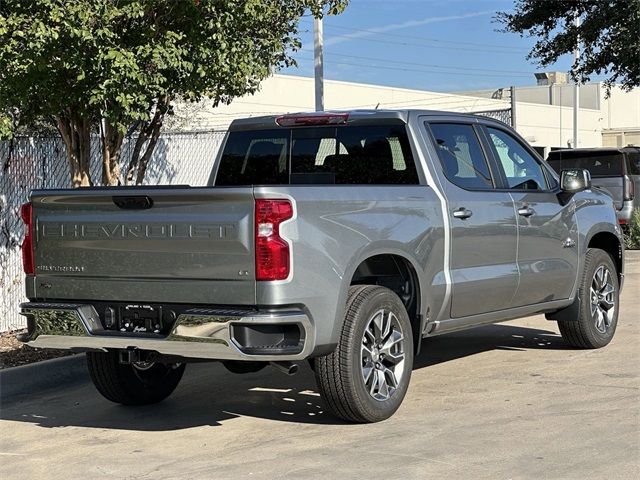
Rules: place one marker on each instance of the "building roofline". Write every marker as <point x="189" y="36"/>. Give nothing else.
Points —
<point x="388" y="87"/>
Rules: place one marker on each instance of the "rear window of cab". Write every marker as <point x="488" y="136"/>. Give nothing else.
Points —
<point x="344" y="155"/>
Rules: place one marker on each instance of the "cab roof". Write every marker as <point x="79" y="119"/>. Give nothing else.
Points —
<point x="353" y="117"/>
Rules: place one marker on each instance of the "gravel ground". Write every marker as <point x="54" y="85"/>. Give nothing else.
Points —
<point x="13" y="352"/>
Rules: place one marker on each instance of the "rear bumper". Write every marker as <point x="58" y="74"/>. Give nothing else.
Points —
<point x="198" y="333"/>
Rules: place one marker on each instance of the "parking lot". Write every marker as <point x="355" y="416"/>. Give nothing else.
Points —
<point x="503" y="401"/>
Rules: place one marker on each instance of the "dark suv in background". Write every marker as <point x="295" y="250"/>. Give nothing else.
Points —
<point x="617" y="170"/>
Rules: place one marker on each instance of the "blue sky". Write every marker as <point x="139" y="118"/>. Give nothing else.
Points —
<point x="440" y="45"/>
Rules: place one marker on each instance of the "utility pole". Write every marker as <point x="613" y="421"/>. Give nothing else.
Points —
<point x="514" y="104"/>
<point x="576" y="87"/>
<point x="318" y="63"/>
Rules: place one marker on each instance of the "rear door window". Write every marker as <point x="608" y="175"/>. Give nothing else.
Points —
<point x="353" y="155"/>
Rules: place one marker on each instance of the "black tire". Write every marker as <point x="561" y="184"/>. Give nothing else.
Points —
<point x="132" y="385"/>
<point x="584" y="331"/>
<point x="340" y="375"/>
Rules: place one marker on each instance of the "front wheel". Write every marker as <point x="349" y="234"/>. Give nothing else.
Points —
<point x="599" y="293"/>
<point x="366" y="377"/>
<point x="138" y="383"/>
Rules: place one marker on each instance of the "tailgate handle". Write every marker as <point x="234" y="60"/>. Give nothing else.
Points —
<point x="137" y="202"/>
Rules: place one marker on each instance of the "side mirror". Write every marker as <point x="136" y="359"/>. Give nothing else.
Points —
<point x="575" y="180"/>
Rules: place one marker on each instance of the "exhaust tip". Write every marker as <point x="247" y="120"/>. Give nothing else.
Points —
<point x="286" y="367"/>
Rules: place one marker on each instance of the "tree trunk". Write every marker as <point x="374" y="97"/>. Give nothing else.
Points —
<point x="135" y="156"/>
<point x="76" y="135"/>
<point x="148" y="131"/>
<point x="153" y="140"/>
<point x="111" y="149"/>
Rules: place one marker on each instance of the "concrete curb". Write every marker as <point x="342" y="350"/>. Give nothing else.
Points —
<point x="632" y="256"/>
<point x="33" y="378"/>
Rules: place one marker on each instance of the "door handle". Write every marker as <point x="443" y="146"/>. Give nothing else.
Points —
<point x="462" y="213"/>
<point x="525" y="211"/>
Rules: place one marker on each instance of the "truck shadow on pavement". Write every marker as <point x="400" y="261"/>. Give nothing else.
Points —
<point x="457" y="345"/>
<point x="211" y="396"/>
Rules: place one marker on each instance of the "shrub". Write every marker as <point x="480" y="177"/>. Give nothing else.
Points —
<point x="632" y="235"/>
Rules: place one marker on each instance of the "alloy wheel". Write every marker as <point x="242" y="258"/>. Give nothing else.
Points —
<point x="603" y="300"/>
<point x="382" y="355"/>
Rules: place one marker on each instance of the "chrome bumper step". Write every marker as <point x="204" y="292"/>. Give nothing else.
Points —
<point x="202" y="333"/>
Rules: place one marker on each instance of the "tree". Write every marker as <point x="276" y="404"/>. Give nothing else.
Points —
<point x="609" y="35"/>
<point x="117" y="67"/>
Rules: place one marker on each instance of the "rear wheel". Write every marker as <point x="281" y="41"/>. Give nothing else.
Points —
<point x="598" y="313"/>
<point x="366" y="378"/>
<point x="138" y="383"/>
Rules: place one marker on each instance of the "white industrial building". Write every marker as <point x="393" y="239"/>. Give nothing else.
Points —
<point x="542" y="113"/>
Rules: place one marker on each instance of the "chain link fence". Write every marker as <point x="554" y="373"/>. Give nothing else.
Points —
<point x="504" y="115"/>
<point x="27" y="163"/>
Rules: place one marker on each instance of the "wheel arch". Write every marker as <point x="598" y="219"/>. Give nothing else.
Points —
<point x="610" y="243"/>
<point x="603" y="239"/>
<point x="393" y="270"/>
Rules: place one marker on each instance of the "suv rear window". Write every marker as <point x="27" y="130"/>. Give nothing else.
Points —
<point x="356" y="155"/>
<point x="599" y="164"/>
<point x="633" y="165"/>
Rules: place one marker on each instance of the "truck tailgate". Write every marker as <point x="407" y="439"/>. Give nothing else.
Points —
<point x="614" y="186"/>
<point x="162" y="244"/>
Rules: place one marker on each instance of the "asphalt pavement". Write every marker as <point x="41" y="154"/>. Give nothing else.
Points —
<point x="507" y="401"/>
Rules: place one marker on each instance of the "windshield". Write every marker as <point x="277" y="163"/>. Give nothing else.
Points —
<point x="376" y="154"/>
<point x="600" y="164"/>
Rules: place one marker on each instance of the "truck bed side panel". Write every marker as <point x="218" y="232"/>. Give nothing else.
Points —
<point x="338" y="227"/>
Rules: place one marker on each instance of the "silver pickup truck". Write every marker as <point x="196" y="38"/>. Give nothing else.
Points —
<point x="338" y="238"/>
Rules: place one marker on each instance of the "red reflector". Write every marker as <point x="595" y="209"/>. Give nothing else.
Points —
<point x="622" y="221"/>
<point x="26" y="213"/>
<point x="272" y="251"/>
<point x="312" y="119"/>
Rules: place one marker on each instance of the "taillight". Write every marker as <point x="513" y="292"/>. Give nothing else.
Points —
<point x="272" y="251"/>
<point x="629" y="188"/>
<point x="26" y="213"/>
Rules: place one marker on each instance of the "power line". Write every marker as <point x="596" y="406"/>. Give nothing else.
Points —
<point x="520" y="73"/>
<point x="423" y="45"/>
<point x="405" y="44"/>
<point x="426" y="39"/>
<point x="405" y="69"/>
